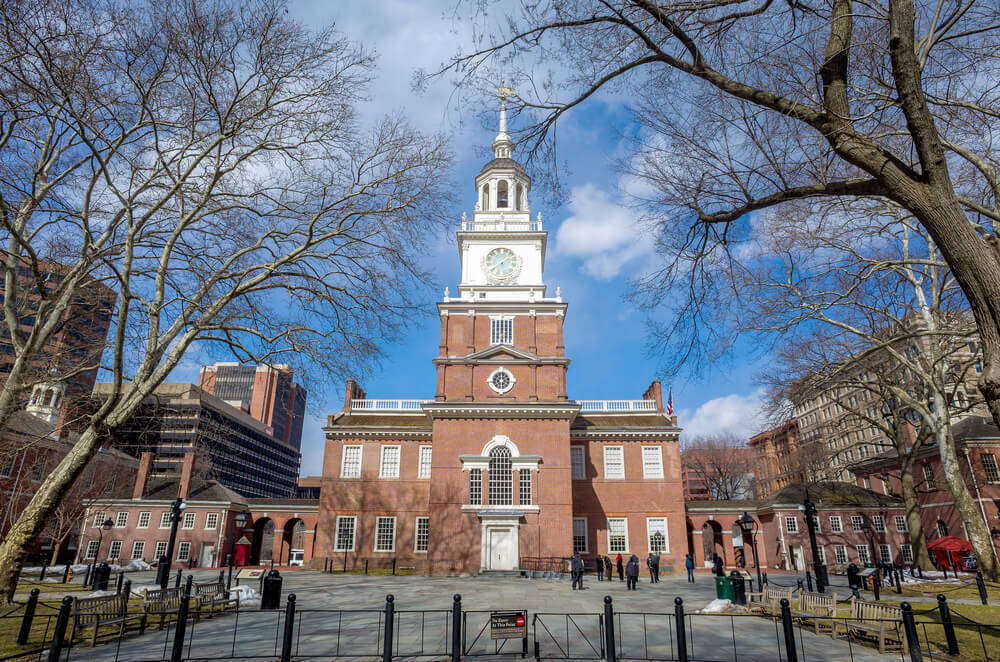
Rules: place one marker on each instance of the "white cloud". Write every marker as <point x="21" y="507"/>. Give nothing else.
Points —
<point x="313" y="445"/>
<point x="734" y="413"/>
<point x="603" y="234"/>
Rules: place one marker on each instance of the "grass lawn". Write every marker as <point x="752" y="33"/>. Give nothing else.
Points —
<point x="972" y="640"/>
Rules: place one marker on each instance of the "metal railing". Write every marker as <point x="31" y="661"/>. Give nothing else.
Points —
<point x="501" y="226"/>
<point x="616" y="405"/>
<point x="388" y="404"/>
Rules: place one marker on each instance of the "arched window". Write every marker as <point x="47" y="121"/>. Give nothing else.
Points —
<point x="502" y="194"/>
<point x="501" y="492"/>
<point x="518" y="199"/>
<point x="486" y="197"/>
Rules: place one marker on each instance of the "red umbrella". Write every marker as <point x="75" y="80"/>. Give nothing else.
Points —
<point x="948" y="550"/>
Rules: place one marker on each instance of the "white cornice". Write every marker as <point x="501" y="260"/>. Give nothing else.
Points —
<point x="377" y="432"/>
<point x="670" y="432"/>
<point x="550" y="410"/>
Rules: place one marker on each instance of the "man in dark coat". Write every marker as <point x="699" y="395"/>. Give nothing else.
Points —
<point x="600" y="569"/>
<point x="717" y="566"/>
<point x="621" y="568"/>
<point x="607" y="566"/>
<point x="632" y="572"/>
<point x="689" y="566"/>
<point x="576" y="570"/>
<point x="649" y="566"/>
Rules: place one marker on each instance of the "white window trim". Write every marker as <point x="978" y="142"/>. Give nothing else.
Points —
<point x="86" y="551"/>
<point x="343" y="460"/>
<point x="889" y="548"/>
<point x="99" y="518"/>
<point x="354" y="533"/>
<point x="416" y="530"/>
<point x="847" y="557"/>
<point x="608" y="524"/>
<point x="840" y="524"/>
<point x="900" y="518"/>
<point x="791" y="519"/>
<point x="868" y="553"/>
<point x="160" y="544"/>
<point x="165" y="520"/>
<point x="180" y="546"/>
<point x="666" y="534"/>
<point x="586" y="537"/>
<point x="621" y="449"/>
<point x="375" y="548"/>
<point x="381" y="461"/>
<point x="184" y="521"/>
<point x="420" y="462"/>
<point x="142" y="550"/>
<point x="208" y="520"/>
<point x="111" y="547"/>
<point x="118" y="518"/>
<point x="659" y="456"/>
<point x="149" y="518"/>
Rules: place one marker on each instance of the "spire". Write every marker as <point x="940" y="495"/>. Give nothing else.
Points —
<point x="502" y="144"/>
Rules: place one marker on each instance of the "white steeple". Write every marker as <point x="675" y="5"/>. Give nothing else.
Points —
<point x="47" y="400"/>
<point x="503" y="146"/>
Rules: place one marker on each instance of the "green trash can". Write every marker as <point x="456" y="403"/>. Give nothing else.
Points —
<point x="724" y="589"/>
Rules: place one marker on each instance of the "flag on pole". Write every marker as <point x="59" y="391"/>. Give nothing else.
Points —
<point x="670" y="402"/>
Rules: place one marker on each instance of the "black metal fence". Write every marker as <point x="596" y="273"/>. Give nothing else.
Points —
<point x="44" y="634"/>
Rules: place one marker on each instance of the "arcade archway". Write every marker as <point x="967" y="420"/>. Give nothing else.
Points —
<point x="262" y="550"/>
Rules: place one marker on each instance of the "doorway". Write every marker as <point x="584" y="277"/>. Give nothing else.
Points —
<point x="798" y="558"/>
<point x="501" y="549"/>
<point x="207" y="557"/>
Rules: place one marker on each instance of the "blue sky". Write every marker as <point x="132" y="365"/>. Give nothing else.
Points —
<point x="594" y="243"/>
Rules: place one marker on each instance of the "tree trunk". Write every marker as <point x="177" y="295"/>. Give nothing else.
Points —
<point x="921" y="557"/>
<point x="56" y="546"/>
<point x="975" y="527"/>
<point x="40" y="509"/>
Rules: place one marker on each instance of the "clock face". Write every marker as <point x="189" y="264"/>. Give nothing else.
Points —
<point x="502" y="264"/>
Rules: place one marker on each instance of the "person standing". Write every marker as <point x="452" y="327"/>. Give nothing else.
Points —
<point x="621" y="568"/>
<point x="649" y="566"/>
<point x="576" y="570"/>
<point x="607" y="566"/>
<point x="600" y="569"/>
<point x="717" y="565"/>
<point x="632" y="572"/>
<point x="689" y="564"/>
<point x="656" y="567"/>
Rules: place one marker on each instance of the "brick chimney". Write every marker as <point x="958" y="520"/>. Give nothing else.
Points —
<point x="655" y="393"/>
<point x="142" y="475"/>
<point x="352" y="391"/>
<point x="187" y="470"/>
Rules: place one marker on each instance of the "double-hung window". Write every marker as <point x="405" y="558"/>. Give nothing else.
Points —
<point x="160" y="550"/>
<point x="389" y="464"/>
<point x="990" y="468"/>
<point x="143" y="520"/>
<point x="907" y="552"/>
<point x="138" y="547"/>
<point x="422" y="536"/>
<point x="900" y="523"/>
<point x="385" y="534"/>
<point x="475" y="487"/>
<point x="346" y="525"/>
<point x="121" y="519"/>
<point x="183" y="551"/>
<point x="863" y="555"/>
<point x="99" y="518"/>
<point x="878" y="523"/>
<point x="350" y="462"/>
<point x="617" y="535"/>
<point x="501" y="331"/>
<point x="885" y="553"/>
<point x="165" y="519"/>
<point x="822" y="554"/>
<point x="840" y="554"/>
<point x="580" y="535"/>
<point x="656" y="533"/>
<point x="524" y="487"/>
<point x="212" y="521"/>
<point x="424" y="465"/>
<point x="614" y="462"/>
<point x="188" y="520"/>
<point x="836" y="524"/>
<point x="578" y="462"/>
<point x="114" y="550"/>
<point x="856" y="522"/>
<point x="652" y="462"/>
<point x="92" y="546"/>
<point x="791" y="524"/>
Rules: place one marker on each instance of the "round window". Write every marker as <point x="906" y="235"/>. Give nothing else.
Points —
<point x="501" y="380"/>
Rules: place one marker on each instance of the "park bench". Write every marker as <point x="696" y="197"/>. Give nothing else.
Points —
<point x="162" y="602"/>
<point x="768" y="601"/>
<point x="210" y="595"/>
<point x="820" y="608"/>
<point x="878" y="620"/>
<point x="110" y="610"/>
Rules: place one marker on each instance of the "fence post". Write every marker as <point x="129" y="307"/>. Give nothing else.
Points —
<point x="981" y="585"/>
<point x="121" y="582"/>
<point x="682" y="647"/>
<point x="65" y="573"/>
<point x="876" y="583"/>
<point x="127" y="587"/>
<point x="899" y="580"/>
<point x="29" y="615"/>
<point x="222" y="576"/>
<point x="609" y="630"/>
<point x="949" y="627"/>
<point x="345" y="561"/>
<point x="390" y="626"/>
<point x="791" y="654"/>
<point x="798" y="585"/>
<point x="177" y="653"/>
<point x="809" y="581"/>
<point x="366" y="566"/>
<point x="59" y="634"/>
<point x="456" y="628"/>
<point x="86" y="577"/>
<point x="765" y="580"/>
<point x="177" y="580"/>
<point x="41" y="576"/>
<point x="393" y="567"/>
<point x="286" y="640"/>
<point x="910" y="628"/>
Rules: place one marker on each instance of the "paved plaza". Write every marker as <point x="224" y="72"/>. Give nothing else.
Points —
<point x="340" y="615"/>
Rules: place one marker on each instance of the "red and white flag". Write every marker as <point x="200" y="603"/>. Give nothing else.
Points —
<point x="670" y="402"/>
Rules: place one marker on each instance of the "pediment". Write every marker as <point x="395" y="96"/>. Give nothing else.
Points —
<point x="505" y="353"/>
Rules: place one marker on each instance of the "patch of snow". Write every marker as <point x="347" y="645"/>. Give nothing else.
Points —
<point x="137" y="565"/>
<point x="100" y="594"/>
<point x="248" y="595"/>
<point x="717" y="606"/>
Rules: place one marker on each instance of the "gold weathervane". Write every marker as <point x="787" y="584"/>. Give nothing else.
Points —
<point x="505" y="91"/>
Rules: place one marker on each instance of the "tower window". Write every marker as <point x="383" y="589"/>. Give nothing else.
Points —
<point x="486" y="196"/>
<point x="501" y="331"/>
<point x="519" y="198"/>
<point x="502" y="194"/>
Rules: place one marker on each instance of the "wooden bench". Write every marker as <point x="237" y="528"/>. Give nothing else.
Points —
<point x="820" y="608"/>
<point x="162" y="602"/>
<point x="104" y="611"/>
<point x="879" y="620"/>
<point x="210" y="595"/>
<point x="768" y="601"/>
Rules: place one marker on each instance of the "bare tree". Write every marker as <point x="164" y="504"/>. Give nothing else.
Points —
<point x="205" y="160"/>
<point x="749" y="105"/>
<point x="721" y="463"/>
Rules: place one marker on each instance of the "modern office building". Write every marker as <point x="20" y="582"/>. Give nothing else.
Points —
<point x="266" y="392"/>
<point x="236" y="449"/>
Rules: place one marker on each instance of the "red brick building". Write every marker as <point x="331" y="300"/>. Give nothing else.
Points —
<point x="977" y="442"/>
<point x="774" y="457"/>
<point x="501" y="469"/>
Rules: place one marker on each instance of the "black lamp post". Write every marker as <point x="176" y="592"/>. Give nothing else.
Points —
<point x="749" y="526"/>
<point x="163" y="569"/>
<point x="819" y="568"/>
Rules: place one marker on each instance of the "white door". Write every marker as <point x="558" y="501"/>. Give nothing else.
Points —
<point x="207" y="559"/>
<point x="798" y="561"/>
<point x="501" y="549"/>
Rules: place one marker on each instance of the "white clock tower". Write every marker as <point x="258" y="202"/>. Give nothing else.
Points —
<point x="502" y="250"/>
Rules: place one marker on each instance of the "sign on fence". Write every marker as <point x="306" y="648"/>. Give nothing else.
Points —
<point x="508" y="624"/>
